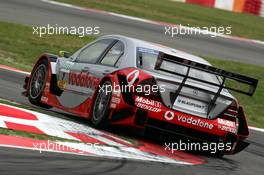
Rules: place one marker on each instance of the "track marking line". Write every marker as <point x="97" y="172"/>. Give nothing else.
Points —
<point x="90" y="140"/>
<point x="82" y="149"/>
<point x="13" y="69"/>
<point x="256" y="129"/>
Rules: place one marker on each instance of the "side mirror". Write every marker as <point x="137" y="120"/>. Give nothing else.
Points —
<point x="64" y="54"/>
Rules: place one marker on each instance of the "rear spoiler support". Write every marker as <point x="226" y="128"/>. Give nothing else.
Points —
<point x="211" y="104"/>
<point x="209" y="69"/>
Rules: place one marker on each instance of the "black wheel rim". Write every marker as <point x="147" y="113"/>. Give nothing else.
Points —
<point x="38" y="80"/>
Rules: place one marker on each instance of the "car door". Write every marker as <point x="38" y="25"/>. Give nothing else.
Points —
<point x="107" y="63"/>
<point x="76" y="75"/>
<point x="110" y="61"/>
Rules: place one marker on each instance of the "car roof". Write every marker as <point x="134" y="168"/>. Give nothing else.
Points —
<point x="162" y="48"/>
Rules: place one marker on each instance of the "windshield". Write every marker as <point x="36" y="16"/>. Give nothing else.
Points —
<point x="147" y="59"/>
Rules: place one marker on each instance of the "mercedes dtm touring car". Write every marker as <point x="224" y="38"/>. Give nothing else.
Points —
<point x="119" y="80"/>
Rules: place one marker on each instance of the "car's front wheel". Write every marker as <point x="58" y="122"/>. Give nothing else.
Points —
<point x="101" y="105"/>
<point x="37" y="84"/>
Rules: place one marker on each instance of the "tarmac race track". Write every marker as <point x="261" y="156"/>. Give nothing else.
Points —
<point x="19" y="161"/>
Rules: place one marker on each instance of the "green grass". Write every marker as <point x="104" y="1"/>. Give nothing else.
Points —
<point x="20" y="49"/>
<point x="244" y="25"/>
<point x="253" y="106"/>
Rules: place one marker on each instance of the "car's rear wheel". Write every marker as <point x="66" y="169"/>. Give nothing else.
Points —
<point x="101" y="105"/>
<point x="37" y="84"/>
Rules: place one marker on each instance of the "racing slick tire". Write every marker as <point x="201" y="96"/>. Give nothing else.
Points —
<point x="100" y="110"/>
<point x="37" y="84"/>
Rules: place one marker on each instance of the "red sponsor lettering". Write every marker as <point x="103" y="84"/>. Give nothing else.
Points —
<point x="83" y="80"/>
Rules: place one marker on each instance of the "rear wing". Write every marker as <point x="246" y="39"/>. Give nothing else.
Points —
<point x="225" y="75"/>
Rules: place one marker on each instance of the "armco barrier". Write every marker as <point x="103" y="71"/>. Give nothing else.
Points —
<point x="208" y="3"/>
<point x="255" y="7"/>
<point x="262" y="9"/>
<point x="252" y="6"/>
<point x="238" y="5"/>
<point x="224" y="4"/>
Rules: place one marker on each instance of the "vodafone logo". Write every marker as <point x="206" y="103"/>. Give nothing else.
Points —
<point x="169" y="115"/>
<point x="195" y="122"/>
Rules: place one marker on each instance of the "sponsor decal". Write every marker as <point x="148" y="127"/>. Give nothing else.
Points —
<point x="117" y="92"/>
<point x="132" y="77"/>
<point x="226" y="125"/>
<point x="227" y="129"/>
<point x="195" y="92"/>
<point x="226" y="122"/>
<point x="115" y="100"/>
<point x="169" y="115"/>
<point x="191" y="104"/>
<point x="195" y="122"/>
<point x="44" y="99"/>
<point x="147" y="50"/>
<point x="62" y="84"/>
<point x="47" y="87"/>
<point x="66" y="65"/>
<point x="113" y="105"/>
<point x="83" y="80"/>
<point x="147" y="104"/>
<point x="149" y="108"/>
